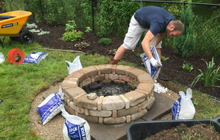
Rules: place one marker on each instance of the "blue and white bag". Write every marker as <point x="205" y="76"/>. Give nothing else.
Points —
<point x="74" y="66"/>
<point x="35" y="57"/>
<point x="50" y="107"/>
<point x="74" y="127"/>
<point x="154" y="72"/>
<point x="183" y="108"/>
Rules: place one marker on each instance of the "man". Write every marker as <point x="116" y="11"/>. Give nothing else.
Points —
<point x="157" y="23"/>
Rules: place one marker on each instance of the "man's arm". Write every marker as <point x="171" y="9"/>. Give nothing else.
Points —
<point x="146" y="44"/>
<point x="158" y="38"/>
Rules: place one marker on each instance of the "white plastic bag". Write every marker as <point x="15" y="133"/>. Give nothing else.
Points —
<point x="183" y="108"/>
<point x="154" y="72"/>
<point x="2" y="58"/>
<point x="74" y="66"/>
<point x="35" y="57"/>
<point x="50" y="107"/>
<point x="74" y="127"/>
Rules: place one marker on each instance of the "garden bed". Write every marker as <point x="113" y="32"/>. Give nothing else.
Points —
<point x="172" y="67"/>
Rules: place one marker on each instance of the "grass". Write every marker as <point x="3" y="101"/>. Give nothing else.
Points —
<point x="20" y="84"/>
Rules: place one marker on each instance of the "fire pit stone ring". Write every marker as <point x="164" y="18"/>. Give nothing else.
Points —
<point x="123" y="108"/>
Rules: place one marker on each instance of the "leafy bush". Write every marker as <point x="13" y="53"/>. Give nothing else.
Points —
<point x="88" y="30"/>
<point x="100" y="34"/>
<point x="70" y="26"/>
<point x="184" y="45"/>
<point x="209" y="77"/>
<point x="105" y="41"/>
<point x="72" y="36"/>
<point x="188" y="68"/>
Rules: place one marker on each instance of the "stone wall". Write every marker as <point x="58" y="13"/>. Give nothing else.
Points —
<point x="124" y="108"/>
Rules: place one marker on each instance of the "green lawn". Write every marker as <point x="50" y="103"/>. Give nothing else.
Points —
<point x="20" y="84"/>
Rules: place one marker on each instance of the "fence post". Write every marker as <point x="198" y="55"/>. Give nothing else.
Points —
<point x="93" y="28"/>
<point x="41" y="10"/>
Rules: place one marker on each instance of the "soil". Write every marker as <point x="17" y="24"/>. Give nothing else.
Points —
<point x="198" y="131"/>
<point x="172" y="67"/>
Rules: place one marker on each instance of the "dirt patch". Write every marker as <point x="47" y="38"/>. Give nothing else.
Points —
<point x="182" y="132"/>
<point x="172" y="67"/>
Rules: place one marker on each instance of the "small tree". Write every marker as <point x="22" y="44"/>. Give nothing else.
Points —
<point x="184" y="45"/>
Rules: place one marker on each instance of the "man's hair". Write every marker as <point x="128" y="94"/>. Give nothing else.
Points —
<point x="178" y="25"/>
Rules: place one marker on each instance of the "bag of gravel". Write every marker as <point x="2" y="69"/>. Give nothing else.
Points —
<point x="50" y="107"/>
<point x="154" y="72"/>
<point x="74" y="127"/>
<point x="74" y="66"/>
<point x="183" y="108"/>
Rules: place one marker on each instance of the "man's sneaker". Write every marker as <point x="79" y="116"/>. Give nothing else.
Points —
<point x="162" y="76"/>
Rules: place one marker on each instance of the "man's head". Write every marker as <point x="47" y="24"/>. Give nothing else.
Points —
<point x="174" y="28"/>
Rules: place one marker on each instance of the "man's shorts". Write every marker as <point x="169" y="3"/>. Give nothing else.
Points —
<point x="134" y="34"/>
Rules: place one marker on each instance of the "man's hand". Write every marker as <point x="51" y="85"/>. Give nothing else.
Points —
<point x="154" y="62"/>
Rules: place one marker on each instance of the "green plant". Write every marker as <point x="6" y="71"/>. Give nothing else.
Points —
<point x="100" y="34"/>
<point x="138" y="54"/>
<point x="81" y="45"/>
<point x="72" y="36"/>
<point x="70" y="26"/>
<point x="209" y="77"/>
<point x="188" y="68"/>
<point x="105" y="41"/>
<point x="88" y="30"/>
<point x="184" y="45"/>
<point x="164" y="58"/>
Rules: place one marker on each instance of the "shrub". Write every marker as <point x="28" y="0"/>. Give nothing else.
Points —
<point x="184" y="45"/>
<point x="72" y="36"/>
<point x="100" y="34"/>
<point x="70" y="26"/>
<point x="105" y="41"/>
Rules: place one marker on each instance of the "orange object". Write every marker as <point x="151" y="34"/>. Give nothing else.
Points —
<point x="15" y="56"/>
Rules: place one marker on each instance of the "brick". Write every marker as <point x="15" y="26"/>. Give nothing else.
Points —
<point x="129" y="111"/>
<point x="113" y="77"/>
<point x="86" y="82"/>
<point x="69" y="83"/>
<point x="133" y="72"/>
<point x="76" y="108"/>
<point x="84" y="102"/>
<point x="86" y="112"/>
<point x="99" y="77"/>
<point x="126" y="73"/>
<point x="147" y="94"/>
<point x="114" y="113"/>
<point x="68" y="102"/>
<point x="93" y="79"/>
<point x="135" y="97"/>
<point x="99" y="103"/>
<point x="127" y="102"/>
<point x="126" y="79"/>
<point x="113" y="69"/>
<point x="128" y="118"/>
<point x="106" y="76"/>
<point x="117" y="120"/>
<point x="151" y="102"/>
<point x="119" y="77"/>
<point x="98" y="70"/>
<point x="144" y="77"/>
<point x="138" y="115"/>
<point x="100" y="120"/>
<point x="132" y="85"/>
<point x="112" y="103"/>
<point x="77" y="74"/>
<point x="119" y="81"/>
<point x="78" y="96"/>
<point x="102" y="113"/>
<point x="139" y="108"/>
<point x="92" y="71"/>
<point x="121" y="69"/>
<point x="147" y="103"/>
<point x="105" y="69"/>
<point x="90" y="118"/>
<point x="106" y="81"/>
<point x="72" y="92"/>
<point x="146" y="87"/>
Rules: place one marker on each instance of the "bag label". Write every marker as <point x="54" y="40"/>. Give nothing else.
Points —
<point x="49" y="107"/>
<point x="75" y="132"/>
<point x="176" y="109"/>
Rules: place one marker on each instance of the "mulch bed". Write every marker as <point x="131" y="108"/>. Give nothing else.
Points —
<point x="172" y="67"/>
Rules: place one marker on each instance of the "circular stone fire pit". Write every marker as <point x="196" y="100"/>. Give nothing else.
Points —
<point x="116" y="109"/>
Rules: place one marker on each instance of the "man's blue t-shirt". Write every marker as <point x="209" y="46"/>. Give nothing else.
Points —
<point x="153" y="18"/>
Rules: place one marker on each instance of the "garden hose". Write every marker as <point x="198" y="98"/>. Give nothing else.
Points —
<point x="15" y="56"/>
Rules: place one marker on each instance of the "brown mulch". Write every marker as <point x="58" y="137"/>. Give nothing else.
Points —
<point x="172" y="67"/>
